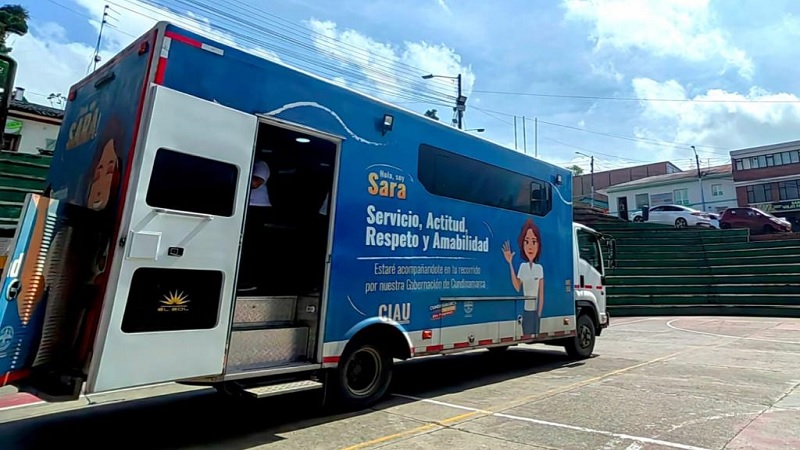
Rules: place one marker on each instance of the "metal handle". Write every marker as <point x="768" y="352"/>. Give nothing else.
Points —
<point x="183" y="213"/>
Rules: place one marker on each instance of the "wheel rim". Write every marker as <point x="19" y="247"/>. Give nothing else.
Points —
<point x="585" y="336"/>
<point x="680" y="223"/>
<point x="362" y="371"/>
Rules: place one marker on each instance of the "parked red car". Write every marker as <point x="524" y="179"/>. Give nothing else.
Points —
<point x="756" y="220"/>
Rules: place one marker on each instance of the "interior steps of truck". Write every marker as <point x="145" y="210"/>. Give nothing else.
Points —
<point x="264" y="312"/>
<point x="282" y="388"/>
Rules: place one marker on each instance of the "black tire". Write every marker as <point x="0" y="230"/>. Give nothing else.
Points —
<point x="582" y="345"/>
<point x="230" y="391"/>
<point x="363" y="376"/>
<point x="725" y="225"/>
<point x="638" y="219"/>
<point x="680" y="222"/>
<point x="497" y="350"/>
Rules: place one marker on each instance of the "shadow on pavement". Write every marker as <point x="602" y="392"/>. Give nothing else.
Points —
<point x="206" y="419"/>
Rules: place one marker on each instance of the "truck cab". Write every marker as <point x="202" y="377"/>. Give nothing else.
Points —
<point x="591" y="314"/>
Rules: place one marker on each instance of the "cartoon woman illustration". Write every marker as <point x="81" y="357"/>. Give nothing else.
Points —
<point x="530" y="275"/>
<point x="101" y="195"/>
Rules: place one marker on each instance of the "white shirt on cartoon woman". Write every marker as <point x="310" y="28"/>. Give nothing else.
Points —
<point x="530" y="274"/>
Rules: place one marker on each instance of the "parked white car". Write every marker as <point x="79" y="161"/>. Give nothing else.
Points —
<point x="714" y="220"/>
<point x="676" y="215"/>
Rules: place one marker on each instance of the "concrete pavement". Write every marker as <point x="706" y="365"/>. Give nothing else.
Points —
<point x="686" y="383"/>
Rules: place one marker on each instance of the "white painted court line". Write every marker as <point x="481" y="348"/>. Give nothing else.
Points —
<point x="635" y="439"/>
<point x="777" y="341"/>
<point x="619" y="324"/>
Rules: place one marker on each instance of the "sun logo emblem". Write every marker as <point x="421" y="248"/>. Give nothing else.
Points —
<point x="175" y="298"/>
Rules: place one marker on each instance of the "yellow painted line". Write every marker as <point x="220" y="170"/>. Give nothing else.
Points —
<point x="509" y="405"/>
<point x="413" y="431"/>
<point x="561" y="390"/>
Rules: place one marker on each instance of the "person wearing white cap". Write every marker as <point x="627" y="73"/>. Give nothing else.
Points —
<point x="258" y="215"/>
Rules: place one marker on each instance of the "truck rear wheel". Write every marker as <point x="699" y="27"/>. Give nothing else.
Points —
<point x="363" y="375"/>
<point x="582" y="345"/>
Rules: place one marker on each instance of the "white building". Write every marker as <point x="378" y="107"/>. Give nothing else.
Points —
<point x="31" y="128"/>
<point x="681" y="188"/>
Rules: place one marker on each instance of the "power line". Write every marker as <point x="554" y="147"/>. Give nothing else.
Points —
<point x="379" y="72"/>
<point x="76" y="12"/>
<point x="654" y="142"/>
<point x="303" y="61"/>
<point x="631" y="99"/>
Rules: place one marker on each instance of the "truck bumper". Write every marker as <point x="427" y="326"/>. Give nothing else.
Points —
<point x="605" y="320"/>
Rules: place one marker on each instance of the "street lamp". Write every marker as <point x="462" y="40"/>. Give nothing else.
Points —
<point x="461" y="101"/>
<point x="591" y="165"/>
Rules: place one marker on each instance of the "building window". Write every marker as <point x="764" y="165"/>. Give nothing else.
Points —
<point x="716" y="190"/>
<point x="789" y="190"/>
<point x="191" y="183"/>
<point x="458" y="177"/>
<point x="642" y="200"/>
<point x="11" y="142"/>
<point x="681" y="196"/>
<point x="759" y="193"/>
<point x="774" y="159"/>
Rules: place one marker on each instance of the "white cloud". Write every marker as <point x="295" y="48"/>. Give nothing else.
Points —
<point x="717" y="118"/>
<point x="683" y="29"/>
<point x="607" y="70"/>
<point x="49" y="62"/>
<point x="391" y="73"/>
<point x="364" y="64"/>
<point x="444" y="6"/>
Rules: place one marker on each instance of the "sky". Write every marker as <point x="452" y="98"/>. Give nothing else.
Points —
<point x="625" y="81"/>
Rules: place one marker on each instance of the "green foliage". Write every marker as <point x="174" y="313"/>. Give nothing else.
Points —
<point x="13" y="20"/>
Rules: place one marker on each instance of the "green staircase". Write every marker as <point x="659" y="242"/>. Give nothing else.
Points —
<point x="666" y="271"/>
<point x="20" y="173"/>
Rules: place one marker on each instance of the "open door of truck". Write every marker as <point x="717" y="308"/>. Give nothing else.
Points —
<point x="168" y="304"/>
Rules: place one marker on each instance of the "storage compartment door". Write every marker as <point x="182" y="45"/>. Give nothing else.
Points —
<point x="167" y="312"/>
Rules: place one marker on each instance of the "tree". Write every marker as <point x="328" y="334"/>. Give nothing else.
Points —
<point x="432" y="114"/>
<point x="576" y="170"/>
<point x="13" y="20"/>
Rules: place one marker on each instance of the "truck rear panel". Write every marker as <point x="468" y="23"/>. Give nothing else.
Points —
<point x="82" y="204"/>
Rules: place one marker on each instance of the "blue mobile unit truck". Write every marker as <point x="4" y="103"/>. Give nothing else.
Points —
<point x="212" y="217"/>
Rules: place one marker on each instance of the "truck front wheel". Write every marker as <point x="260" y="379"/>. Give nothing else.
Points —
<point x="363" y="375"/>
<point x="582" y="345"/>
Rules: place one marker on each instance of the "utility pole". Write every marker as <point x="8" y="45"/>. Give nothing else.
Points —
<point x="591" y="171"/>
<point x="461" y="101"/>
<point x="700" y="179"/>
<point x="524" y="137"/>
<point x="515" y="132"/>
<point x="461" y="104"/>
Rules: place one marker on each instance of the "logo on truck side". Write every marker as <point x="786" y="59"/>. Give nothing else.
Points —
<point x="175" y="301"/>
<point x="84" y="128"/>
<point x="386" y="184"/>
<point x="398" y="312"/>
<point x="6" y="338"/>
